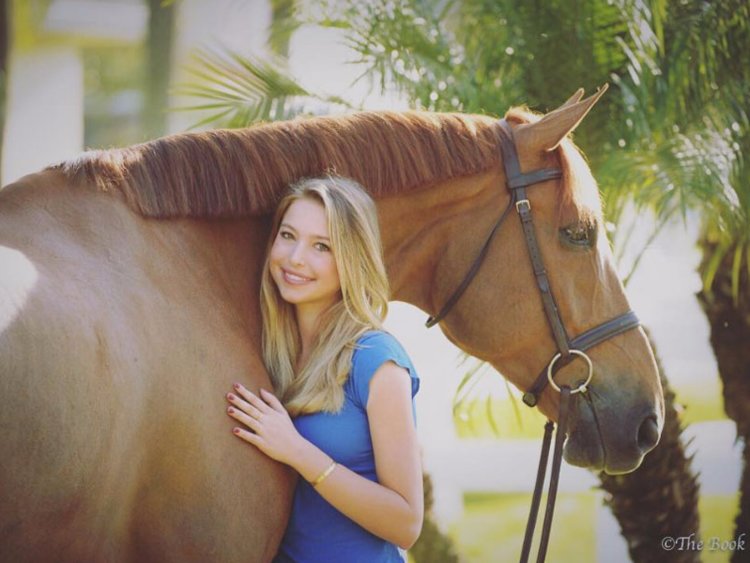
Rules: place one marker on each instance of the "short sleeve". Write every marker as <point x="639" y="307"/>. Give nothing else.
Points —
<point x="373" y="350"/>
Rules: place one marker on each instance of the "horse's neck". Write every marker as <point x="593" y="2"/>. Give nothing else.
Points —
<point x="420" y="226"/>
<point x="224" y="258"/>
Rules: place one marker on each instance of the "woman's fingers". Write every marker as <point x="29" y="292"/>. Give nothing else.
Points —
<point x="248" y="420"/>
<point x="266" y="423"/>
<point x="271" y="399"/>
<point x="251" y="398"/>
<point x="243" y="405"/>
<point x="249" y="437"/>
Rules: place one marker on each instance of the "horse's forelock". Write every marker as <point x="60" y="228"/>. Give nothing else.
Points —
<point x="230" y="173"/>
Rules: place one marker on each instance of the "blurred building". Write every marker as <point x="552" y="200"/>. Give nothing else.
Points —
<point x="78" y="71"/>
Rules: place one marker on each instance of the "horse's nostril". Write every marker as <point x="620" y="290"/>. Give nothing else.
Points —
<point x="648" y="434"/>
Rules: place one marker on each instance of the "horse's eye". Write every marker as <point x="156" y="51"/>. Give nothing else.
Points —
<point x="579" y="234"/>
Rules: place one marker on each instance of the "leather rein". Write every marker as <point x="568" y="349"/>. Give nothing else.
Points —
<point x="568" y="350"/>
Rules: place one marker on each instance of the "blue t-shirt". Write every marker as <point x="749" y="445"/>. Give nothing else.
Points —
<point x="318" y="532"/>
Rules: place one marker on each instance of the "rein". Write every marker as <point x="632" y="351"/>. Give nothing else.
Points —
<point x="568" y="350"/>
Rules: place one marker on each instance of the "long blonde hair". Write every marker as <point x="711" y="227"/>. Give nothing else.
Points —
<point x="355" y="243"/>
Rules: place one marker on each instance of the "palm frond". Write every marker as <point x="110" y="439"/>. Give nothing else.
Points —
<point x="241" y="90"/>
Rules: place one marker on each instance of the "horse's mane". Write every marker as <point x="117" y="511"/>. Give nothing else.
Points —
<point x="225" y="173"/>
<point x="240" y="172"/>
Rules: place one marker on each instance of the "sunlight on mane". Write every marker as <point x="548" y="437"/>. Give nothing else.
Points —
<point x="241" y="172"/>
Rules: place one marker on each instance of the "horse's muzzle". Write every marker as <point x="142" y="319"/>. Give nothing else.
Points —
<point x="602" y="437"/>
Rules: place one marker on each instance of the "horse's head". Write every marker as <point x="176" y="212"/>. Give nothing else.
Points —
<point x="501" y="317"/>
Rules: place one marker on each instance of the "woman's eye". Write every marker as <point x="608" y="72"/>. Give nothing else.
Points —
<point x="580" y="234"/>
<point x="286" y="235"/>
<point x="322" y="247"/>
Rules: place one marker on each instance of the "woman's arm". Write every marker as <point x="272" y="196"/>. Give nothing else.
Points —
<point x="392" y="509"/>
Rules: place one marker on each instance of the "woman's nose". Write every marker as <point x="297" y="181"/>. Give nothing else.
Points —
<point x="297" y="256"/>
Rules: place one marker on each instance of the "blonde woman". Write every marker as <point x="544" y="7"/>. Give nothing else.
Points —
<point x="344" y="416"/>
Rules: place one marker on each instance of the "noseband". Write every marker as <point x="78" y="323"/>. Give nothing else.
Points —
<point x="517" y="182"/>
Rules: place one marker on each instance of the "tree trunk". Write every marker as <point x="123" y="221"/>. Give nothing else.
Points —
<point x="284" y="23"/>
<point x="730" y="339"/>
<point x="4" y="48"/>
<point x="158" y="66"/>
<point x="660" y="499"/>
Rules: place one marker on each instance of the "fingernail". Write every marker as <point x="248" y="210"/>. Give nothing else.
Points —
<point x="237" y="386"/>
<point x="230" y="396"/>
<point x="230" y="410"/>
<point x="236" y="430"/>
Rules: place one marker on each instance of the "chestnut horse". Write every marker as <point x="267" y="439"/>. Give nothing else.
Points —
<point x="129" y="304"/>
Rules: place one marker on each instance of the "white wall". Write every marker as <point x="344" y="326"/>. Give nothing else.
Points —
<point x="44" y="112"/>
<point x="239" y="26"/>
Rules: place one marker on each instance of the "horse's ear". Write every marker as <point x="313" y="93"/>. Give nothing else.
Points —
<point x="575" y="98"/>
<point x="546" y="134"/>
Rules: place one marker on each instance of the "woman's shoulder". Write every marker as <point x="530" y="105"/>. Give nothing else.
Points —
<point x="376" y="338"/>
<point x="375" y="344"/>
<point x="373" y="349"/>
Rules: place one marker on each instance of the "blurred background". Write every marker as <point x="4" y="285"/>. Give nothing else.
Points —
<point x="668" y="144"/>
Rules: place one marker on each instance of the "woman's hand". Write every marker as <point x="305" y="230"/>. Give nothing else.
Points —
<point x="272" y="430"/>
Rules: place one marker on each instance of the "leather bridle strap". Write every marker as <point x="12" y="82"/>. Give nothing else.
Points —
<point x="517" y="182"/>
<point x="456" y="295"/>
<point x="583" y="342"/>
<point x="562" y="426"/>
<point x="541" y="473"/>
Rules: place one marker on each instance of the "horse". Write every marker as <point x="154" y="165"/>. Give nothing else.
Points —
<point x="129" y="287"/>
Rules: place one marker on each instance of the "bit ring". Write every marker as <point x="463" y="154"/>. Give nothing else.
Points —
<point x="583" y="386"/>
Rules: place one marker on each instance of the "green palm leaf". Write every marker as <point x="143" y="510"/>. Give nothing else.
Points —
<point x="237" y="90"/>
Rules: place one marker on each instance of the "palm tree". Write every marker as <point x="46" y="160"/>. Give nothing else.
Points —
<point x="728" y="313"/>
<point x="703" y="61"/>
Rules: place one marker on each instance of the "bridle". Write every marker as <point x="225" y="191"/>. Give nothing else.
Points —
<point x="517" y="182"/>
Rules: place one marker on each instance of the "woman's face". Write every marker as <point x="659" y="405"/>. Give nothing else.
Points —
<point x="301" y="261"/>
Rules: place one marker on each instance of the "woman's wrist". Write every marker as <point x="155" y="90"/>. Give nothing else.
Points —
<point x="323" y="476"/>
<point x="310" y="461"/>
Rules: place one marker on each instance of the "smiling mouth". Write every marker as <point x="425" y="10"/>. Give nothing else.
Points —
<point x="294" y="279"/>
